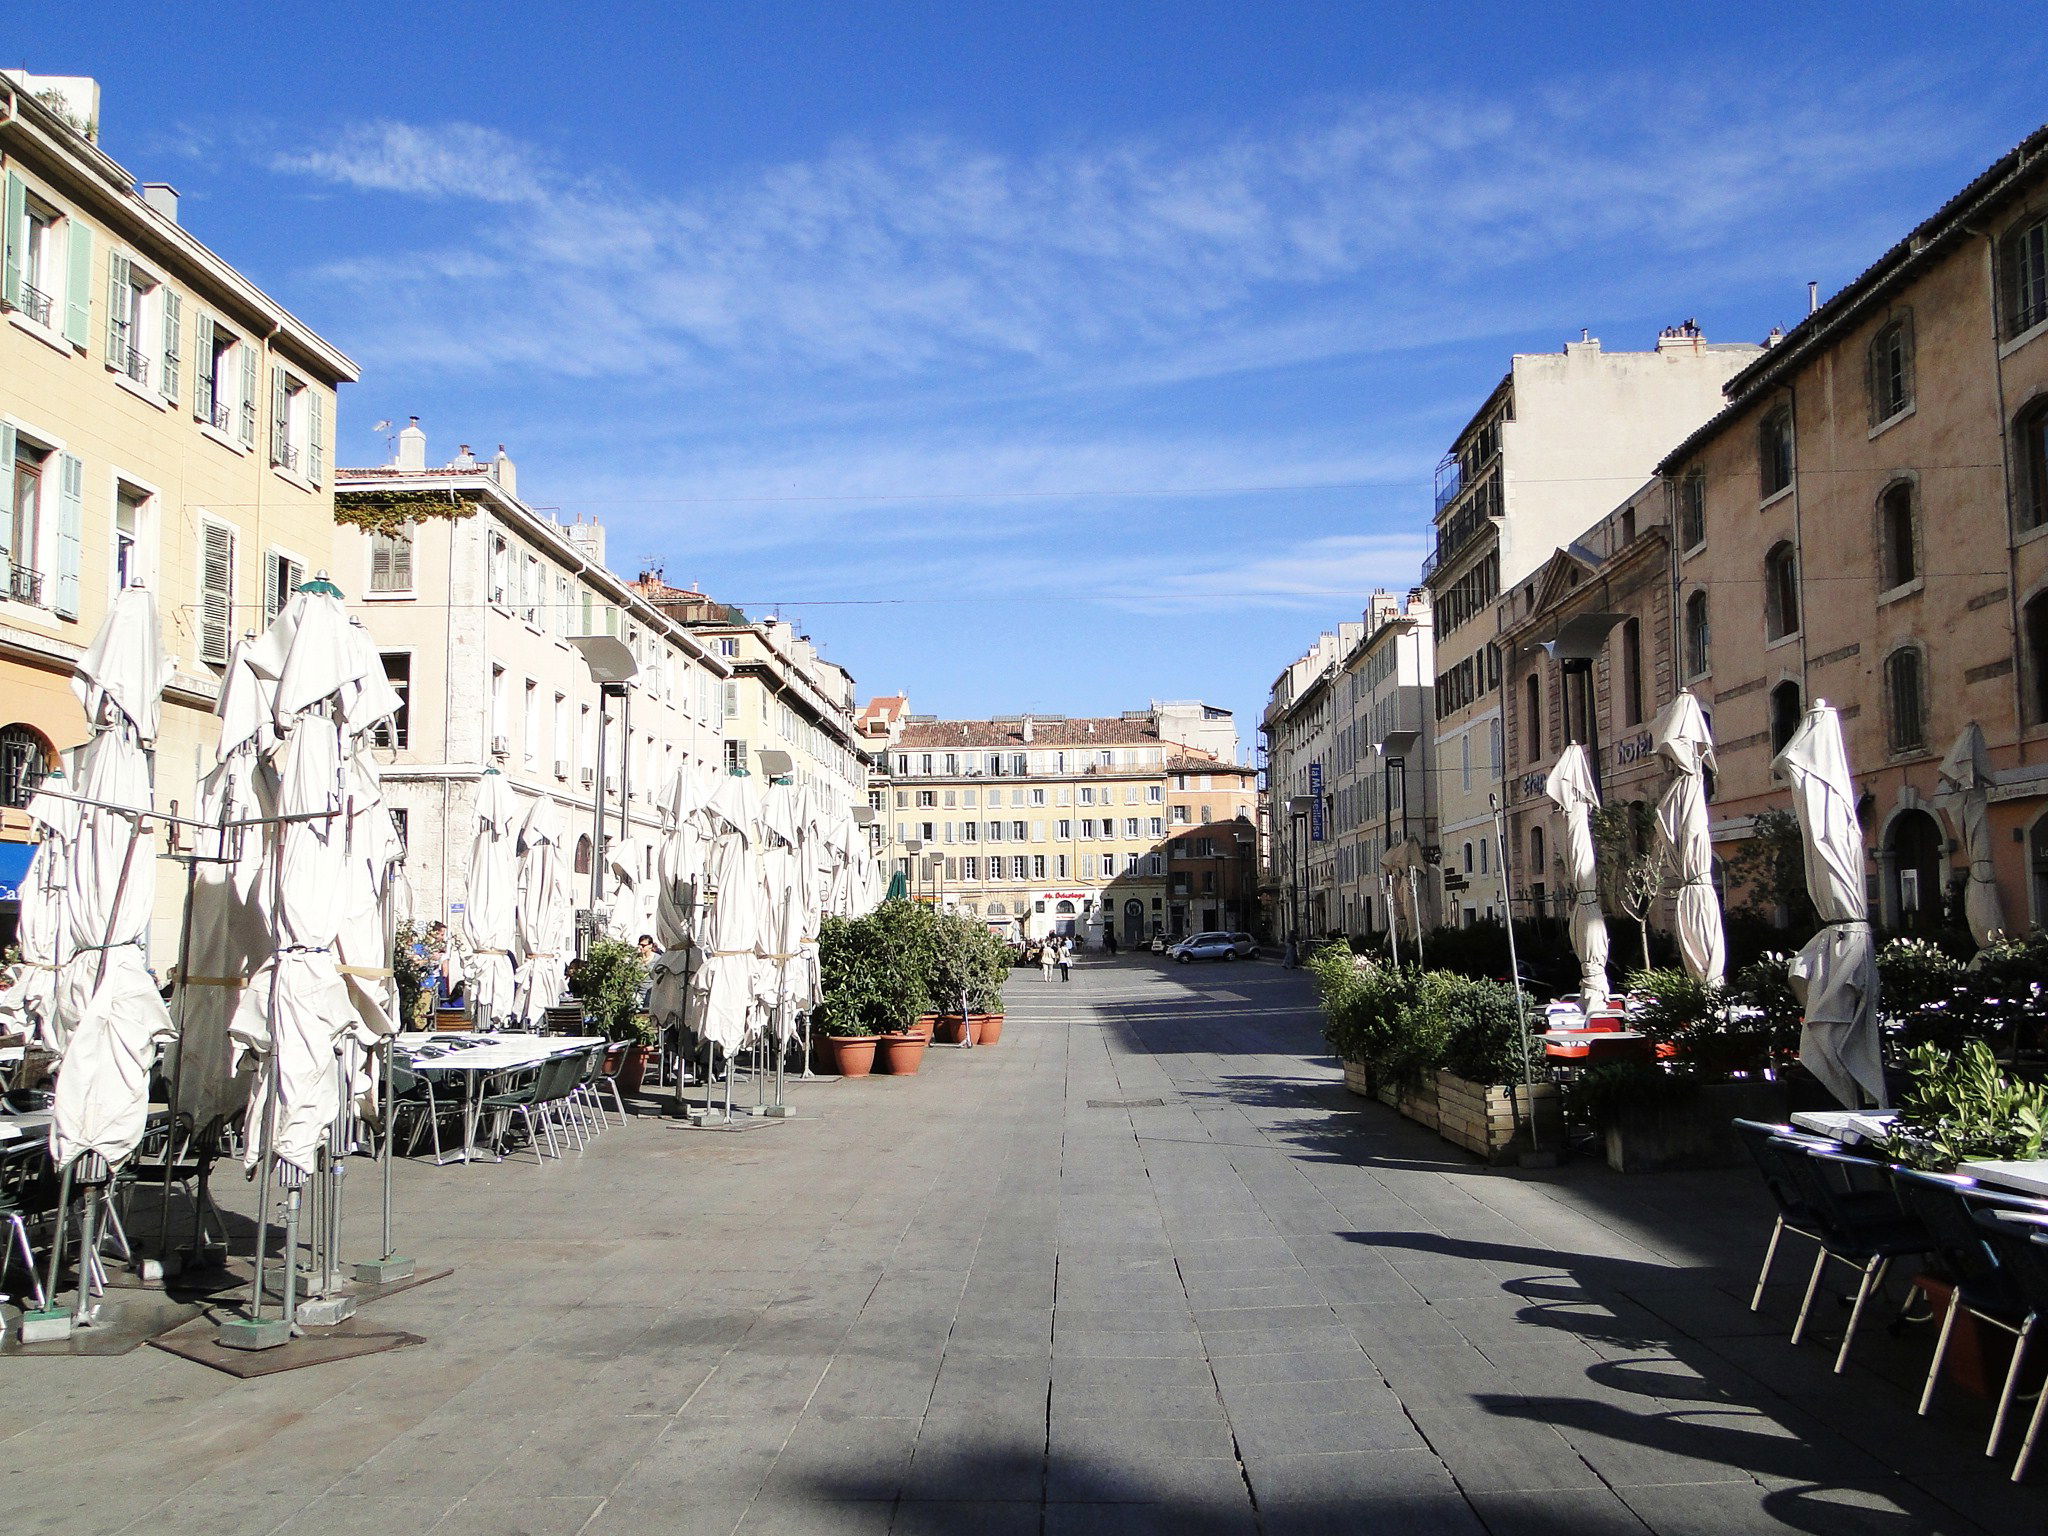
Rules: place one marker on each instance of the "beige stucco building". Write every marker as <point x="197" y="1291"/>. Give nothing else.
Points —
<point x="483" y="609"/>
<point x="1382" y="758"/>
<point x="1562" y="439"/>
<point x="162" y="420"/>
<point x="1299" y="731"/>
<point x="1867" y="522"/>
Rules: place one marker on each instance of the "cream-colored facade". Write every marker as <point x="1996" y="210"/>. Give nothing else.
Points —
<point x="1299" y="730"/>
<point x="478" y="611"/>
<point x="162" y="420"/>
<point x="1380" y="791"/>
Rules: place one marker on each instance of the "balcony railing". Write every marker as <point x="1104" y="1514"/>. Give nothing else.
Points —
<point x="25" y="585"/>
<point x="286" y="456"/>
<point x="217" y="416"/>
<point x="131" y="362"/>
<point x="1449" y="481"/>
<point x="34" y="303"/>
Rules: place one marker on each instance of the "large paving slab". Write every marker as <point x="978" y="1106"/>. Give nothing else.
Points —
<point x="1144" y="1266"/>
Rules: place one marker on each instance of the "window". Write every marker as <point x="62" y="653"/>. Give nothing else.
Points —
<point x="1692" y="509"/>
<point x="562" y="743"/>
<point x="131" y="521"/>
<point x="1897" y="536"/>
<point x="1063" y="830"/>
<point x="1781" y="592"/>
<point x="529" y="722"/>
<point x="927" y="799"/>
<point x="134" y="332"/>
<point x="1155" y="793"/>
<point x="26" y="478"/>
<point x="397" y="731"/>
<point x="995" y="831"/>
<point x="1017" y="832"/>
<point x="2024" y="255"/>
<point x="731" y="647"/>
<point x="970" y="868"/>
<point x="1632" y="672"/>
<point x="224" y="380"/>
<point x="1891" y="370"/>
<point x="2030" y="461"/>
<point x="1059" y="866"/>
<point x="969" y="831"/>
<point x="732" y="701"/>
<point x="1468" y="858"/>
<point x="1158" y="824"/>
<point x="1537" y="861"/>
<point x="48" y="263"/>
<point x="391" y="559"/>
<point x="282" y="576"/>
<point x="1038" y="866"/>
<point x="1698" y="639"/>
<point x="1905" y="699"/>
<point x="24" y="762"/>
<point x="1019" y="867"/>
<point x="1774" y="450"/>
<point x="736" y="759"/>
<point x="1533" y="718"/>
<point x="1786" y="709"/>
<point x="2034" y="636"/>
<point x="1087" y="795"/>
<point x="216" y="592"/>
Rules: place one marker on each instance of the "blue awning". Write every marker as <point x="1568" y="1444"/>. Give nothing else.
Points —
<point x="14" y="859"/>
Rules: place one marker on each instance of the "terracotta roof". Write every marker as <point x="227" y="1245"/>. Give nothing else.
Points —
<point x="1195" y="760"/>
<point x="1104" y="731"/>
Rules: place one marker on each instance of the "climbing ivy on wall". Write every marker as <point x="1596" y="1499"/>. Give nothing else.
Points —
<point x="390" y="511"/>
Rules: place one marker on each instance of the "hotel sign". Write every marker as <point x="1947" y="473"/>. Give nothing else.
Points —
<point x="1315" y="810"/>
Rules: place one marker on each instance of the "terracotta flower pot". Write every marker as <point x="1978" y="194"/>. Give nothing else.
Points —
<point x="948" y="1029"/>
<point x="923" y="1025"/>
<point x="852" y="1055"/>
<point x="633" y="1070"/>
<point x="901" y="1054"/>
<point x="988" y="1028"/>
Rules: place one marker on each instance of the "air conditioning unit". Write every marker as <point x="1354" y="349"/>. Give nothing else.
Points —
<point x="501" y="746"/>
<point x="589" y="775"/>
<point x="611" y="783"/>
<point x="561" y="769"/>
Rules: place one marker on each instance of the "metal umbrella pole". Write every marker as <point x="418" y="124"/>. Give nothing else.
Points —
<point x="163" y="1218"/>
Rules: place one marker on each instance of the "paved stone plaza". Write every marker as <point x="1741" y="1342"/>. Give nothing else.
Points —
<point x="1143" y="1266"/>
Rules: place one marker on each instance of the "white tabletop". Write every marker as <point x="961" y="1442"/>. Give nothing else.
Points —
<point x="2029" y="1178"/>
<point x="32" y="1122"/>
<point x="1847" y="1126"/>
<point x="492" y="1053"/>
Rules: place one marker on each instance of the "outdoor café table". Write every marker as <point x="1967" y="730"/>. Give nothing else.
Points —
<point x="475" y="1059"/>
<point x="1848" y="1126"/>
<point x="1584" y="1047"/>
<point x="26" y="1125"/>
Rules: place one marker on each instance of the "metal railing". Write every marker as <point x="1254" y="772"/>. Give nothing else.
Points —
<point x="25" y="585"/>
<point x="34" y="303"/>
<point x="285" y="456"/>
<point x="217" y="416"/>
<point x="131" y="362"/>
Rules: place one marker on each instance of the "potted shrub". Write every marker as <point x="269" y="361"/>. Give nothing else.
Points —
<point x="871" y="983"/>
<point x="1958" y="1106"/>
<point x="1483" y="1103"/>
<point x="900" y="1052"/>
<point x="852" y="1050"/>
<point x="608" y="981"/>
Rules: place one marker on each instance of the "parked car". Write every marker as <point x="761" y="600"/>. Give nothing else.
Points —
<point x="1158" y="944"/>
<point x="1205" y="946"/>
<point x="1247" y="946"/>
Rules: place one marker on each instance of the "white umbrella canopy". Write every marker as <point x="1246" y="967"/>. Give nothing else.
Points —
<point x="723" y="994"/>
<point x="679" y="869"/>
<point x="546" y="929"/>
<point x="369" y="922"/>
<point x="1683" y="740"/>
<point x="1966" y="781"/>
<point x="1835" y="975"/>
<point x="29" y="1003"/>
<point x="490" y="915"/>
<point x="107" y="1004"/>
<point x="1570" y="786"/>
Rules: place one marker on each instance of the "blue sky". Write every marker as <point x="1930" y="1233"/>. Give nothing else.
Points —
<point x="1048" y="357"/>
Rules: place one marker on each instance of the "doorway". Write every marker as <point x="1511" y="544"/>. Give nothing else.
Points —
<point x="1134" y="923"/>
<point x="1915" y="844"/>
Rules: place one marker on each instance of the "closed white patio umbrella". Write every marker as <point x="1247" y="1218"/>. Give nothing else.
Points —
<point x="723" y="992"/>
<point x="679" y="869"/>
<point x="1966" y="780"/>
<point x="1835" y="975"/>
<point x="1683" y="740"/>
<point x="490" y="915"/>
<point x="1570" y="786"/>
<point x="546" y="930"/>
<point x="29" y="1003"/>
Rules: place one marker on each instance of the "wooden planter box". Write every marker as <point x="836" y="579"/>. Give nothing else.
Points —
<point x="1697" y="1134"/>
<point x="1482" y="1118"/>
<point x="1420" y="1105"/>
<point x="1357" y="1080"/>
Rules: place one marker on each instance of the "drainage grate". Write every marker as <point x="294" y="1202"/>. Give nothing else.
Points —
<point x="1127" y="1103"/>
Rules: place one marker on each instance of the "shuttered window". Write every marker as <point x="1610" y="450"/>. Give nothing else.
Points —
<point x="70" y="533"/>
<point x="204" y="373"/>
<point x="391" y="561"/>
<point x="282" y="576"/>
<point x="171" y="369"/>
<point x="316" y="436"/>
<point x="248" y="402"/>
<point x="216" y="592"/>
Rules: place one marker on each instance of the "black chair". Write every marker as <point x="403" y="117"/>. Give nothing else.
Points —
<point x="411" y="1091"/>
<point x="21" y="1164"/>
<point x="1772" y="1148"/>
<point x="1859" y="1226"/>
<point x="1947" y="1205"/>
<point x="2020" y="1241"/>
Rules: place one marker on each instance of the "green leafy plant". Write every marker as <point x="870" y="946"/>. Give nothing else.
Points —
<point x="1479" y="1025"/>
<point x="412" y="975"/>
<point x="1959" y="1107"/>
<point x="607" y="981"/>
<point x="1768" y="869"/>
<point x="1404" y="1023"/>
<point x="873" y="970"/>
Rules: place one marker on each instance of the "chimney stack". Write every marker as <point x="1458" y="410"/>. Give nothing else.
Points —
<point x="505" y="472"/>
<point x="412" y="446"/>
<point x="163" y="197"/>
<point x="1027" y="729"/>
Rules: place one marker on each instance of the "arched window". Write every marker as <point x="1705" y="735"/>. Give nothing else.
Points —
<point x="1698" y="641"/>
<point x="1781" y="592"/>
<point x="583" y="854"/>
<point x="1786" y="709"/>
<point x="2030" y="464"/>
<point x="1905" y="694"/>
<point x="24" y="761"/>
<point x="1898" y="535"/>
<point x="1692" y="509"/>
<point x="2024" y="262"/>
<point x="2034" y="637"/>
<point x="1774" y="450"/>
<point x="1891" y="370"/>
<point x="1537" y="861"/>
<point x="1535" y="718"/>
<point x="1632" y="672"/>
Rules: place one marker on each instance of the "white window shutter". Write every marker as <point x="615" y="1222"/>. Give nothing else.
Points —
<point x="13" y="237"/>
<point x="70" y="533"/>
<point x="316" y="436"/>
<point x="273" y="598"/>
<point x="6" y="479"/>
<point x="248" y="430"/>
<point x="118" y="339"/>
<point x="173" y="365"/>
<point x="280" y="416"/>
<point x="78" y="282"/>
<point x="216" y="592"/>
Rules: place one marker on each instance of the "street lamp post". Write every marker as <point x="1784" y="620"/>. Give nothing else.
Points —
<point x="612" y="667"/>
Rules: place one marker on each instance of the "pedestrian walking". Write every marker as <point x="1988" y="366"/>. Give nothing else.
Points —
<point x="1047" y="950"/>
<point x="1066" y="959"/>
<point x="1108" y="939"/>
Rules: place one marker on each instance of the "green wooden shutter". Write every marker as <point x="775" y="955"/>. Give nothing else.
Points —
<point x="78" y="283"/>
<point x="118" y="339"/>
<point x="70" y="533"/>
<point x="202" y="367"/>
<point x="216" y="592"/>
<point x="316" y="435"/>
<point x="13" y="237"/>
<point x="280" y="416"/>
<point x="174" y="325"/>
<point x="248" y="425"/>
<point x="6" y="479"/>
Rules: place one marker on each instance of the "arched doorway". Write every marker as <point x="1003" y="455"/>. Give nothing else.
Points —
<point x="25" y="760"/>
<point x="1915" y="845"/>
<point x="1134" y="923"/>
<point x="1063" y="918"/>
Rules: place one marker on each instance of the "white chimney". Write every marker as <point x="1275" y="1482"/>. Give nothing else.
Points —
<point x="1027" y="728"/>
<point x="163" y="197"/>
<point x="505" y="472"/>
<point x="412" y="446"/>
<point x="464" y="459"/>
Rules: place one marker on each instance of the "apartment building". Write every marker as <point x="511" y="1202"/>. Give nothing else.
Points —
<point x="1299" y="732"/>
<point x="1042" y="824"/>
<point x="1589" y="656"/>
<point x="1212" y="852"/>
<point x="162" y="420"/>
<point x="516" y="649"/>
<point x="783" y="695"/>
<point x="1558" y="443"/>
<point x="1381" y="765"/>
<point x="1866" y="522"/>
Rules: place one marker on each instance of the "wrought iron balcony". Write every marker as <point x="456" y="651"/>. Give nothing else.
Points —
<point x="34" y="303"/>
<point x="217" y="416"/>
<point x="286" y="456"/>
<point x="25" y="585"/>
<point x="130" y="361"/>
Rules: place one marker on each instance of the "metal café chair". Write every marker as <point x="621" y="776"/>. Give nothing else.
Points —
<point x="607" y="1079"/>
<point x="18" y="1170"/>
<point x="1863" y="1228"/>
<point x="1772" y="1147"/>
<point x="412" y="1091"/>
<point x="2020" y="1239"/>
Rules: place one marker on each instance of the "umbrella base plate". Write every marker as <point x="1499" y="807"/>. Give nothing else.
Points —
<point x="326" y="1311"/>
<point x="49" y="1327"/>
<point x="247" y="1333"/>
<point x="780" y="1111"/>
<point x="386" y="1271"/>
